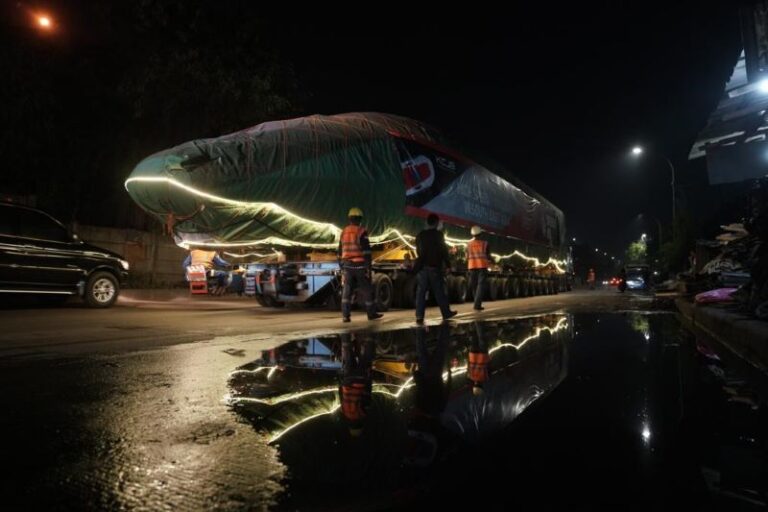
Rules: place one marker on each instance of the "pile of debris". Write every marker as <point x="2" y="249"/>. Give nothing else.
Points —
<point x="734" y="266"/>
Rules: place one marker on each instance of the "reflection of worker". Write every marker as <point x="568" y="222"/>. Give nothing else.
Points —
<point x="355" y="262"/>
<point x="209" y="260"/>
<point x="478" y="261"/>
<point x="479" y="361"/>
<point x="591" y="279"/>
<point x="355" y="381"/>
<point x="425" y="431"/>
<point x="432" y="261"/>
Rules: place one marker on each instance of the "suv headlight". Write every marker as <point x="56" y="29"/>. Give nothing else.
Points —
<point x="124" y="264"/>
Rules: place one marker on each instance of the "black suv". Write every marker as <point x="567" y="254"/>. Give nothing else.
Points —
<point x="39" y="256"/>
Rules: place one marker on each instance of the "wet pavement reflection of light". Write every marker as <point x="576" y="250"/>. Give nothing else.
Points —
<point x="585" y="411"/>
<point x="435" y="400"/>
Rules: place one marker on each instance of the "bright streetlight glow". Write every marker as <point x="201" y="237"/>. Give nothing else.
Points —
<point x="763" y="85"/>
<point x="637" y="151"/>
<point x="44" y="22"/>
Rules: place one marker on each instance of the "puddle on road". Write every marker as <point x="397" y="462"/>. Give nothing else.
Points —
<point x="414" y="414"/>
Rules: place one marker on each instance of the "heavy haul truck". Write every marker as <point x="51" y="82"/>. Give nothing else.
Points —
<point x="275" y="197"/>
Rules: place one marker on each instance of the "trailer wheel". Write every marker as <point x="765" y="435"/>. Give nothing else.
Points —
<point x="261" y="301"/>
<point x="459" y="295"/>
<point x="530" y="290"/>
<point x="382" y="290"/>
<point x="514" y="287"/>
<point x="506" y="288"/>
<point x="493" y="288"/>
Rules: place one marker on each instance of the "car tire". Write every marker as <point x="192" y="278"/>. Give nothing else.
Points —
<point x="101" y="290"/>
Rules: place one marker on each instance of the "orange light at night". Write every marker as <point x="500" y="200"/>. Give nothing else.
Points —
<point x="44" y="21"/>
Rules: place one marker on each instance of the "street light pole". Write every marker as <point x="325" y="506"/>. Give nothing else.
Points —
<point x="637" y="151"/>
<point x="674" y="209"/>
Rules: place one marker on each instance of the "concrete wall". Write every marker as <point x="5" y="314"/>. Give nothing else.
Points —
<point x="155" y="260"/>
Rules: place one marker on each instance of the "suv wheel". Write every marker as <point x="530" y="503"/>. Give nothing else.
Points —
<point x="102" y="290"/>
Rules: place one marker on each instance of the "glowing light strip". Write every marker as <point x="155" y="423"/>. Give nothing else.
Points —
<point x="249" y="254"/>
<point x="280" y="434"/>
<point x="536" y="262"/>
<point x="285" y="398"/>
<point x="561" y="324"/>
<point x="255" y="370"/>
<point x="323" y="226"/>
<point x="255" y="205"/>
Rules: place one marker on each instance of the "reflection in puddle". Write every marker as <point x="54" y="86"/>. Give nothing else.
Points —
<point x="367" y="406"/>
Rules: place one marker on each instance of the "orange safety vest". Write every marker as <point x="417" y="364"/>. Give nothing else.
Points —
<point x="205" y="258"/>
<point x="476" y="254"/>
<point x="477" y="371"/>
<point x="351" y="249"/>
<point x="352" y="401"/>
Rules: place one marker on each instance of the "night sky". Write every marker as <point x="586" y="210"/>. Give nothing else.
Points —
<point x="557" y="95"/>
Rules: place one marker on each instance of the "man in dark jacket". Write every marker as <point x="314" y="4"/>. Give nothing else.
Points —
<point x="432" y="262"/>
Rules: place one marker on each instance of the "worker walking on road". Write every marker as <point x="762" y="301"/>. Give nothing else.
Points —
<point x="355" y="262"/>
<point x="432" y="261"/>
<point x="478" y="261"/>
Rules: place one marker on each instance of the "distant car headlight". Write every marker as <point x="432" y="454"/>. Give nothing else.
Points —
<point x="124" y="264"/>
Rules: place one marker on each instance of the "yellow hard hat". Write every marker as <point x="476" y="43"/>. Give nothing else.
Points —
<point x="355" y="212"/>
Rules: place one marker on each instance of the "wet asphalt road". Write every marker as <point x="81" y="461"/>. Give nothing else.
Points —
<point x="147" y="323"/>
<point x="174" y="415"/>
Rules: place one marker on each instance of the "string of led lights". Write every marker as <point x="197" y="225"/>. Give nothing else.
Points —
<point x="390" y="235"/>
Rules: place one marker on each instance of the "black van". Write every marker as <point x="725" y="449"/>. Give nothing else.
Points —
<point x="39" y="256"/>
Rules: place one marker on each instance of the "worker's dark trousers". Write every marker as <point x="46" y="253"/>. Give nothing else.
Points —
<point x="356" y="276"/>
<point x="431" y="278"/>
<point x="477" y="278"/>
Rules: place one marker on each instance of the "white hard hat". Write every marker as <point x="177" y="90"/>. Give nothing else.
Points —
<point x="476" y="230"/>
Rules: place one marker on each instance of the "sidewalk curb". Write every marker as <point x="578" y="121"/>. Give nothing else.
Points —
<point x="743" y="335"/>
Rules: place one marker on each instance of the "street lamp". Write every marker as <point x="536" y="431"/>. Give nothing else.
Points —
<point x="658" y="223"/>
<point x="637" y="151"/>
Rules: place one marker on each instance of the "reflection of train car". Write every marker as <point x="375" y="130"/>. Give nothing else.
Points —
<point x="417" y="414"/>
<point x="527" y="359"/>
